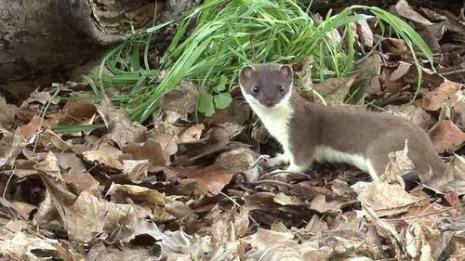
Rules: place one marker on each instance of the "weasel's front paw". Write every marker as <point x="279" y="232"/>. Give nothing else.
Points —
<point x="294" y="168"/>
<point x="278" y="160"/>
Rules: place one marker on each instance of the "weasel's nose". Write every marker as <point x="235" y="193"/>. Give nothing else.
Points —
<point x="269" y="103"/>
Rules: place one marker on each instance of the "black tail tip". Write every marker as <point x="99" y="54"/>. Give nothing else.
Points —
<point x="411" y="179"/>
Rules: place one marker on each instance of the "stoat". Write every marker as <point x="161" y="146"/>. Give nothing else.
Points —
<point x="310" y="131"/>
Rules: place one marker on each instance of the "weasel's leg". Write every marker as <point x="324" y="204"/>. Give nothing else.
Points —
<point x="278" y="160"/>
<point x="295" y="168"/>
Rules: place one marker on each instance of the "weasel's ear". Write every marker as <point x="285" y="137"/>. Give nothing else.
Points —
<point x="286" y="71"/>
<point x="246" y="73"/>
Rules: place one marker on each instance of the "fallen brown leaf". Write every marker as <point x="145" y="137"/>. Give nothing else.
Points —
<point x="82" y="182"/>
<point x="182" y="99"/>
<point x="446" y="136"/>
<point x="84" y="216"/>
<point x="136" y="170"/>
<point x="192" y="134"/>
<point x="399" y="164"/>
<point x="240" y="160"/>
<point x="106" y="155"/>
<point x="150" y="150"/>
<point x="272" y="245"/>
<point x="121" y="129"/>
<point x="322" y="205"/>
<point x="238" y="112"/>
<point x="77" y="112"/>
<point x="52" y="141"/>
<point x="446" y="92"/>
<point x="101" y="252"/>
<point x="404" y="9"/>
<point x="210" y="179"/>
<point x="400" y="71"/>
<point x="169" y="145"/>
<point x="365" y="33"/>
<point x="334" y="90"/>
<point x="42" y="97"/>
<point x="459" y="114"/>
<point x="24" y="246"/>
<point x="7" y="113"/>
<point x="160" y="206"/>
<point x="385" y="199"/>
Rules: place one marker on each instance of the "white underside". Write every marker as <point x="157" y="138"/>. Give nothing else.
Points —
<point x="324" y="153"/>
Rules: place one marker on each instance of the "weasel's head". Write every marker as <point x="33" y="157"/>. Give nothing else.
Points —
<point x="266" y="85"/>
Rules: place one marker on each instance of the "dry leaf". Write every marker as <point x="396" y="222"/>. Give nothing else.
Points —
<point x="192" y="134"/>
<point x="150" y="150"/>
<point x="77" y="112"/>
<point x="82" y="182"/>
<point x="395" y="45"/>
<point x="366" y="35"/>
<point x="446" y="137"/>
<point x="404" y="9"/>
<point x="285" y="200"/>
<point x="136" y="170"/>
<point x="84" y="216"/>
<point x="211" y="179"/>
<point x="399" y="164"/>
<point x="182" y="99"/>
<point x="401" y="70"/>
<point x="240" y="160"/>
<point x="459" y="114"/>
<point x="446" y="92"/>
<point x="322" y="205"/>
<point x="370" y="65"/>
<point x="121" y="129"/>
<point x="237" y="112"/>
<point x="416" y="114"/>
<point x="163" y="208"/>
<point x="169" y="145"/>
<point x="334" y="90"/>
<point x="385" y="199"/>
<point x="101" y="252"/>
<point x="106" y="155"/>
<point x="272" y="245"/>
<point x="70" y="162"/>
<point x="51" y="140"/>
<point x="7" y="113"/>
<point x="24" y="246"/>
<point x="41" y="97"/>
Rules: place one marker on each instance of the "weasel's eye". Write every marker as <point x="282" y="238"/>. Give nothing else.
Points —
<point x="255" y="89"/>
<point x="281" y="88"/>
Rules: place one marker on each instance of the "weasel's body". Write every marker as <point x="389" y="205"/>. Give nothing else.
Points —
<point x="310" y="131"/>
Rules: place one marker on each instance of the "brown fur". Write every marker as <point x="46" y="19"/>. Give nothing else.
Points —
<point x="373" y="135"/>
<point x="369" y="134"/>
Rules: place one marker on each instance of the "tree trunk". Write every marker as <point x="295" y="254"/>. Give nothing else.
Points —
<point x="34" y="41"/>
<point x="41" y="40"/>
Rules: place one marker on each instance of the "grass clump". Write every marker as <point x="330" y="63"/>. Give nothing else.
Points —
<point x="225" y="36"/>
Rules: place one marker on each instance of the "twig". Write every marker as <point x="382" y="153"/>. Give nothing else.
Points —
<point x="258" y="160"/>
<point x="42" y="116"/>
<point x="289" y="172"/>
<point x="271" y="181"/>
<point x="8" y="183"/>
<point x="239" y="206"/>
<point x="425" y="215"/>
<point x="453" y="72"/>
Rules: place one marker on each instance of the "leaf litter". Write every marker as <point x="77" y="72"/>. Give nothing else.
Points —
<point x="185" y="189"/>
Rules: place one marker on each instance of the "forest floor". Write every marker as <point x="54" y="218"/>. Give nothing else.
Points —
<point x="177" y="188"/>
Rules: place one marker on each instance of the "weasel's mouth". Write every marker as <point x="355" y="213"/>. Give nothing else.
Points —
<point x="269" y="104"/>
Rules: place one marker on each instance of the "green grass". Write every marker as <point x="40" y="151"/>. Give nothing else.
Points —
<point x="225" y="36"/>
